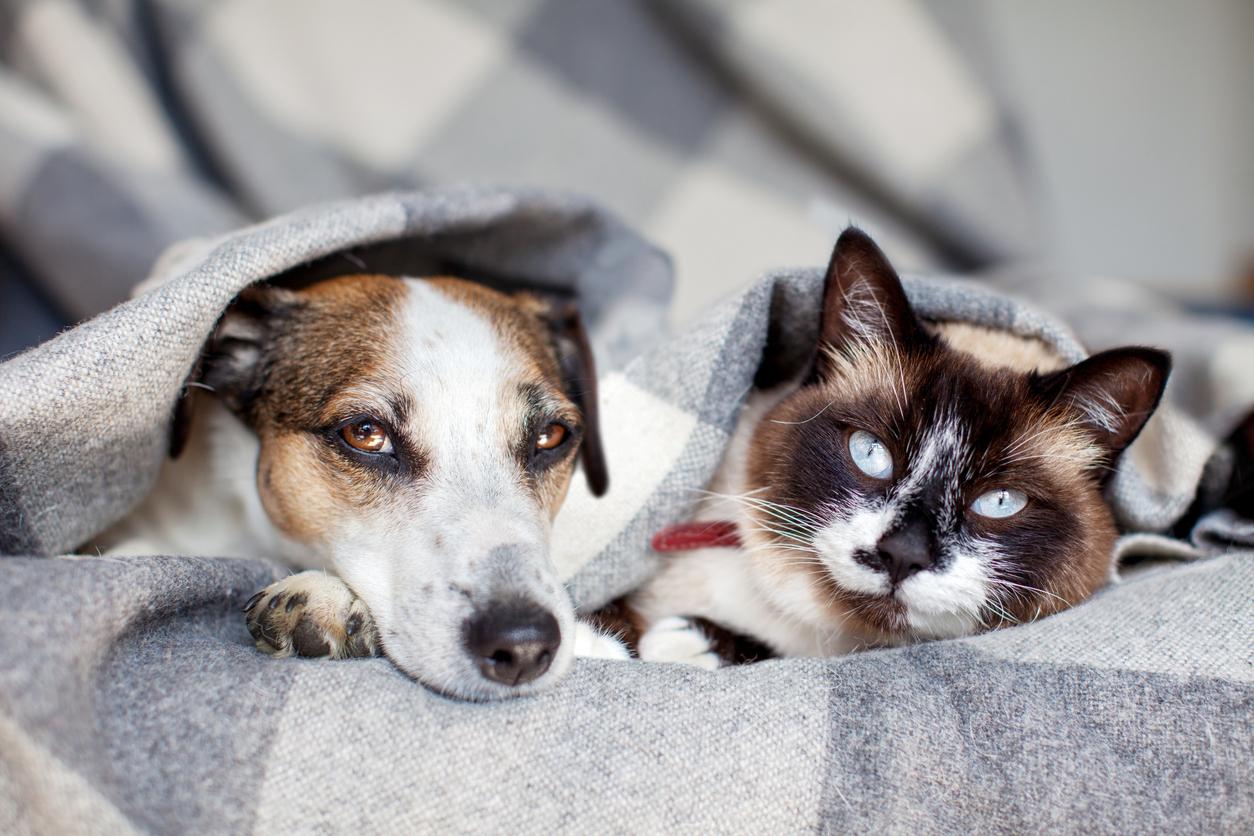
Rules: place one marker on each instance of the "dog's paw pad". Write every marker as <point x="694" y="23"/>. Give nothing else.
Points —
<point x="677" y="639"/>
<point x="311" y="614"/>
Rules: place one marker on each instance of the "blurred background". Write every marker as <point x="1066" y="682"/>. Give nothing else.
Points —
<point x="1083" y="139"/>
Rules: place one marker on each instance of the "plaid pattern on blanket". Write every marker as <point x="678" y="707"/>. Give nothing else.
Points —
<point x="132" y="699"/>
<point x="144" y="707"/>
<point x="127" y="126"/>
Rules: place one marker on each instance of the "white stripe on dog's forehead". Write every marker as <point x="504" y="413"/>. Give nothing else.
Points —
<point x="446" y="340"/>
<point x="462" y="378"/>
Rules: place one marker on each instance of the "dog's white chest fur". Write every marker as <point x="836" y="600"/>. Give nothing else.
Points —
<point x="205" y="502"/>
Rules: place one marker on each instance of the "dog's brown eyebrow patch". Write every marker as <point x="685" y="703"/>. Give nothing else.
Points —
<point x="545" y="402"/>
<point x="339" y="334"/>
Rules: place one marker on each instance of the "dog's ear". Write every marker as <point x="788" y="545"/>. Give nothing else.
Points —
<point x="863" y="300"/>
<point x="579" y="379"/>
<point x="232" y="364"/>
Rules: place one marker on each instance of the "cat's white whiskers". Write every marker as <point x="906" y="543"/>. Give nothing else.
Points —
<point x="805" y="420"/>
<point x="749" y="498"/>
<point x="775" y="545"/>
<point x="805" y="522"/>
<point x="1001" y="581"/>
<point x="1001" y="612"/>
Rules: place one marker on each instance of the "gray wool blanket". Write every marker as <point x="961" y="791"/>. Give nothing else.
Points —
<point x="131" y="698"/>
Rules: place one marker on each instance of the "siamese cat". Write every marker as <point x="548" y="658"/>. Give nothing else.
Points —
<point x="924" y="480"/>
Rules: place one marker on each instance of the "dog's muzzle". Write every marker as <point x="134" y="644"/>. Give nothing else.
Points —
<point x="512" y="642"/>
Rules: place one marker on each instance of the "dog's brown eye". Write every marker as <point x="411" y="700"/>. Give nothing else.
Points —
<point x="367" y="436"/>
<point x="550" y="437"/>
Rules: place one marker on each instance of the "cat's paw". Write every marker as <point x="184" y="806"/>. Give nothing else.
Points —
<point x="311" y="614"/>
<point x="678" y="639"/>
<point x="591" y="643"/>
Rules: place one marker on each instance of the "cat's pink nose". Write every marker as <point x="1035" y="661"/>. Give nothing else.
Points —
<point x="906" y="551"/>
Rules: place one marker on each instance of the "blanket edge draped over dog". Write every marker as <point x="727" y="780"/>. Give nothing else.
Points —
<point x="131" y="697"/>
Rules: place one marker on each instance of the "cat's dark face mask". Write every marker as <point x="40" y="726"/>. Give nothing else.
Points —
<point x="918" y="489"/>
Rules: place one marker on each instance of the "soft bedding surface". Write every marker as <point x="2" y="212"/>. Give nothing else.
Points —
<point x="141" y="705"/>
<point x="131" y="698"/>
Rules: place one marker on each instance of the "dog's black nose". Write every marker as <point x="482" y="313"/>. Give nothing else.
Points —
<point x="906" y="551"/>
<point x="513" y="642"/>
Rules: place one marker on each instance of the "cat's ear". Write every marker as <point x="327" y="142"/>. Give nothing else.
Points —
<point x="1114" y="393"/>
<point x="863" y="300"/>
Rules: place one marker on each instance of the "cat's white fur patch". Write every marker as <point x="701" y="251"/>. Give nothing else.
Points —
<point x="947" y="603"/>
<point x="591" y="643"/>
<point x="941" y="448"/>
<point x="837" y="542"/>
<point x="677" y="639"/>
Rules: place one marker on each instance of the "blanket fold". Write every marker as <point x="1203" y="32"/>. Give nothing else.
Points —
<point x="105" y="390"/>
<point x="131" y="697"/>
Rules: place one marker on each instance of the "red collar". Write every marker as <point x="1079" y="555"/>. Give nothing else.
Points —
<point x="688" y="536"/>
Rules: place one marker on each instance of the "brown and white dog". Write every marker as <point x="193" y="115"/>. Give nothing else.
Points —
<point x="408" y="441"/>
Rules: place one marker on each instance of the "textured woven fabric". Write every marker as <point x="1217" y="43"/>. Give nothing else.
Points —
<point x="131" y="697"/>
<point x="111" y="383"/>
<point x="126" y="126"/>
<point x="144" y="707"/>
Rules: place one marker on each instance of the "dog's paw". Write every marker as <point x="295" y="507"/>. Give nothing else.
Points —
<point x="311" y="614"/>
<point x="678" y="639"/>
<point x="591" y="643"/>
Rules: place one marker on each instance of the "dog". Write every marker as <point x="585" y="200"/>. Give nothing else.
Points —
<point x="406" y="442"/>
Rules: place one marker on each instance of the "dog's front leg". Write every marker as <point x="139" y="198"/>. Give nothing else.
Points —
<point x="311" y="614"/>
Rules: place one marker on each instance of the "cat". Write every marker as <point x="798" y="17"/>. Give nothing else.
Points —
<point x="923" y="480"/>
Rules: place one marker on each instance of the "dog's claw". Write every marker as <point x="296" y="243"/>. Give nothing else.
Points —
<point x="320" y="616"/>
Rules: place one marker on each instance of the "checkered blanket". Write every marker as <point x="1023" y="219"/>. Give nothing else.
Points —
<point x="724" y="131"/>
<point x="131" y="697"/>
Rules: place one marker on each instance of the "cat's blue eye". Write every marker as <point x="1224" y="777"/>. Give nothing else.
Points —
<point x="999" y="504"/>
<point x="870" y="455"/>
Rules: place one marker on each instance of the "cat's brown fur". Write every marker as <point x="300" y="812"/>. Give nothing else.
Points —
<point x="834" y="558"/>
